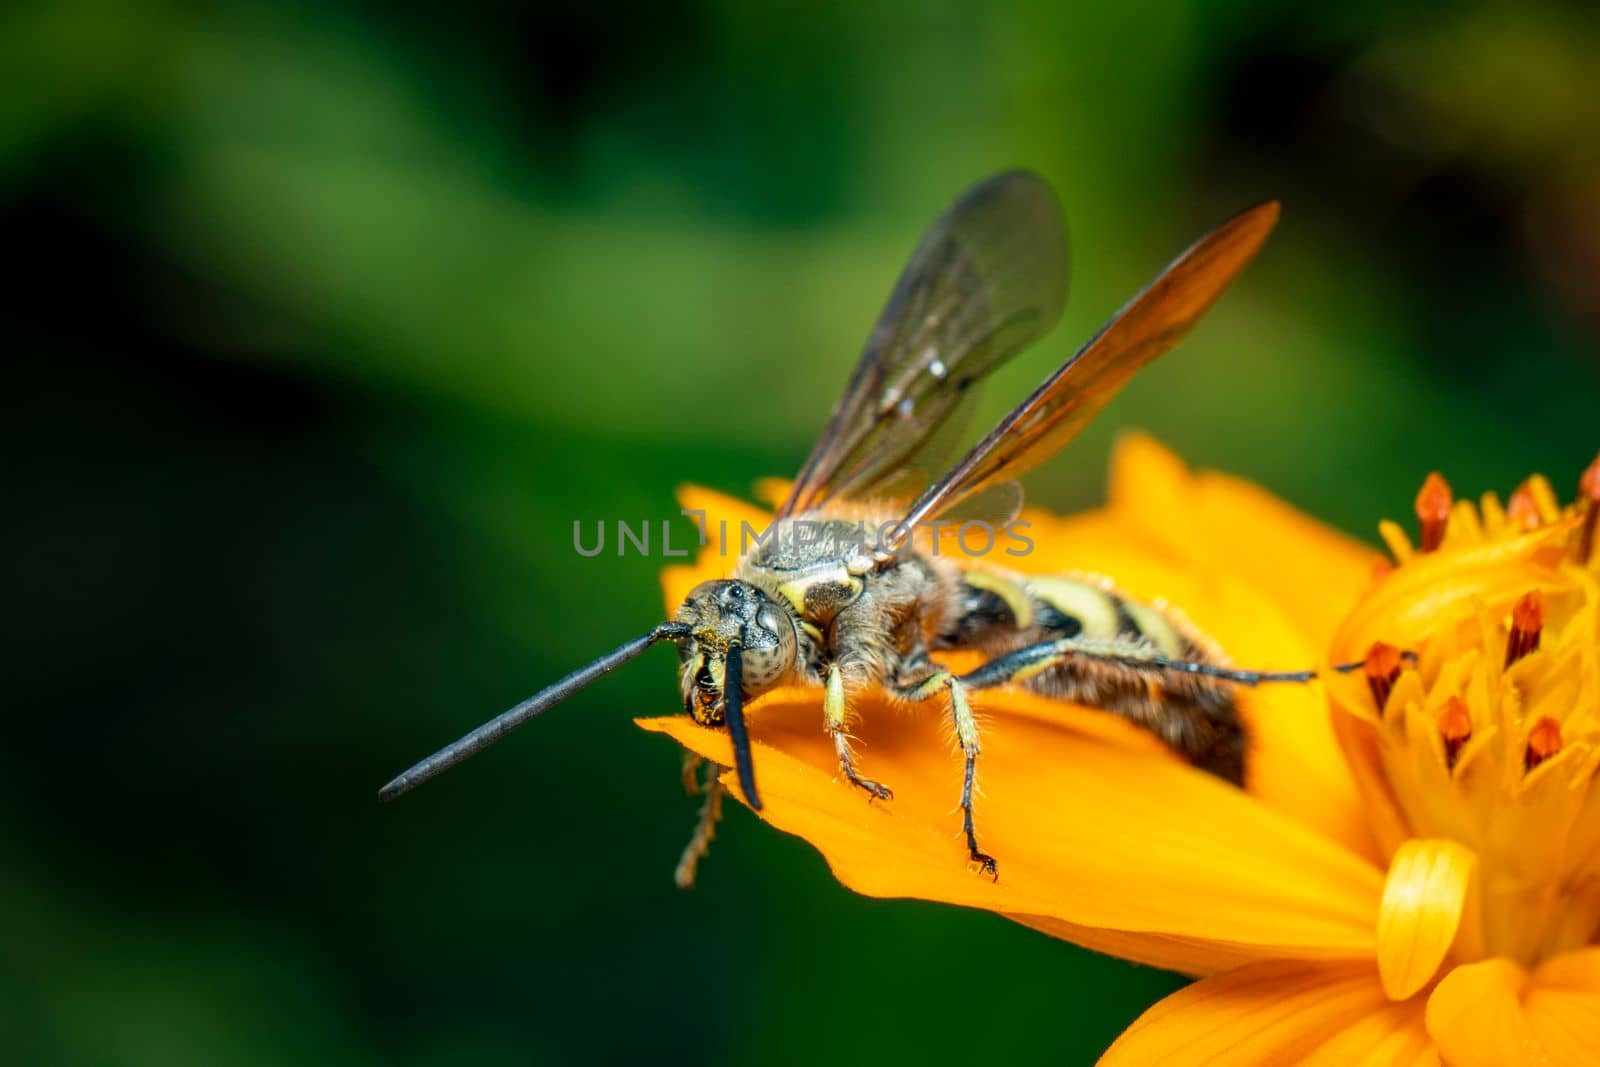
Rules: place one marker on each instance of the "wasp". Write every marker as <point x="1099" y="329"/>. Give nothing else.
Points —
<point x="843" y="613"/>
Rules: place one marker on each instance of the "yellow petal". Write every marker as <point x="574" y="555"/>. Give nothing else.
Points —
<point x="1313" y="572"/>
<point x="1495" y="1013"/>
<point x="1184" y="955"/>
<point x="1116" y="836"/>
<point x="722" y="507"/>
<point x="1475" y="1016"/>
<point x="1390" y="1036"/>
<point x="1148" y="486"/>
<point x="1278" y="1012"/>
<point x="1359" y="742"/>
<point x="1406" y="606"/>
<point x="1294" y="762"/>
<point x="1563" y="1006"/>
<point x="1423" y="901"/>
<point x="772" y="491"/>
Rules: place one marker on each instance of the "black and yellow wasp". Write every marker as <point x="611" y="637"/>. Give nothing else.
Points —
<point x="843" y="612"/>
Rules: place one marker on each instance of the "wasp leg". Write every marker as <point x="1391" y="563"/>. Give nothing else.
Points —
<point x="835" y="711"/>
<point x="1185" y="704"/>
<point x="1025" y="663"/>
<point x="704" y="830"/>
<point x="967" y="734"/>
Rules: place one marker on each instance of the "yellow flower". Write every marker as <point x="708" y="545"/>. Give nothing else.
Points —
<point x="1394" y="884"/>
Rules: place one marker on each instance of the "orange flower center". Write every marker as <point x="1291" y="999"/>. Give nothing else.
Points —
<point x="1485" y="731"/>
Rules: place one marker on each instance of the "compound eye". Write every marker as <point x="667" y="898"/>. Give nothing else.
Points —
<point x="769" y="619"/>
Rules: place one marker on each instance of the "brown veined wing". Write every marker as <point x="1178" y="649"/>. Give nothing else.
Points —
<point x="988" y="279"/>
<point x="1147" y="326"/>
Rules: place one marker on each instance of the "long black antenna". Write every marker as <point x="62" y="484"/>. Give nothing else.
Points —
<point x="733" y="710"/>
<point x="498" y="727"/>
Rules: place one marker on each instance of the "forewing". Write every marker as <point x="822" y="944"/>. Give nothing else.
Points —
<point x="1148" y="325"/>
<point x="988" y="278"/>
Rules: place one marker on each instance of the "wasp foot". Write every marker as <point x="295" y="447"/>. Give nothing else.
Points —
<point x="876" y="790"/>
<point x="847" y="767"/>
<point x="986" y="863"/>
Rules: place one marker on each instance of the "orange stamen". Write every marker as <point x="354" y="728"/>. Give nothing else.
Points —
<point x="1381" y="569"/>
<point x="1522" y="510"/>
<point x="1527" y="621"/>
<point x="1589" y="489"/>
<point x="1433" y="510"/>
<point x="1544" y="741"/>
<point x="1382" y="668"/>
<point x="1455" y="727"/>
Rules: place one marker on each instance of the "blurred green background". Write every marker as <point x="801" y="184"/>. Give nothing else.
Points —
<point x="326" y="321"/>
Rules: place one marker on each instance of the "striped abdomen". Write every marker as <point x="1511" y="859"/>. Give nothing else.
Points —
<point x="1194" y="715"/>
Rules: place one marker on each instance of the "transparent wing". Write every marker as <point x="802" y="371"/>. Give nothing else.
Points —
<point x="988" y="278"/>
<point x="1147" y="326"/>
<point x="933" y="456"/>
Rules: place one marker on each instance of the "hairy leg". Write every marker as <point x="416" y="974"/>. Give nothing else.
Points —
<point x="966" y="728"/>
<point x="836" y="716"/>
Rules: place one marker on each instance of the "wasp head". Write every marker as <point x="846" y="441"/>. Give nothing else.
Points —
<point x="721" y="615"/>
